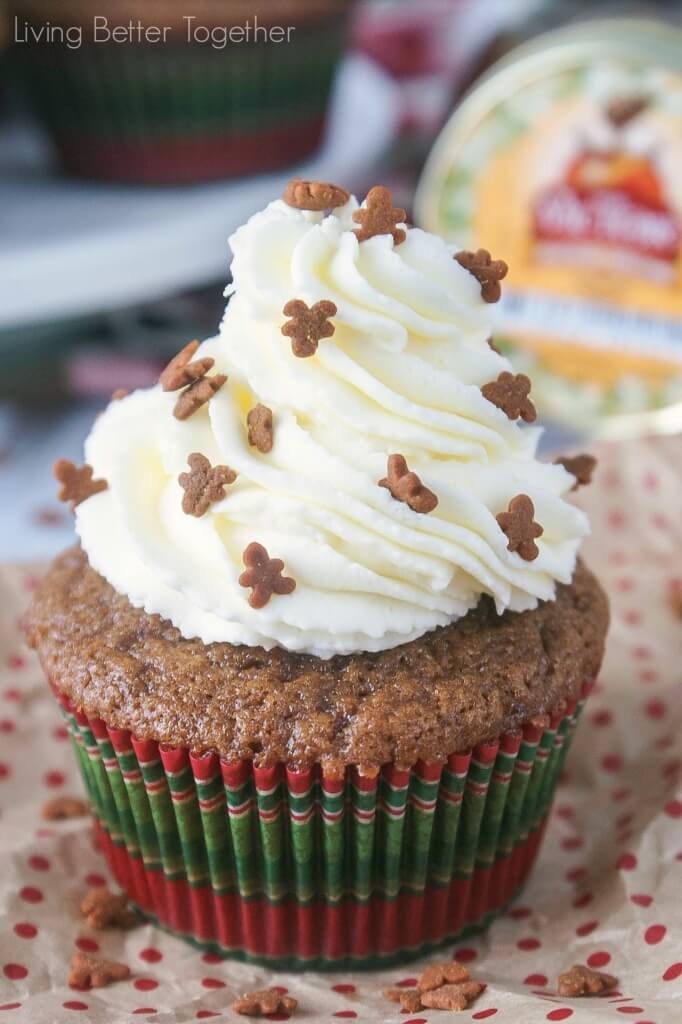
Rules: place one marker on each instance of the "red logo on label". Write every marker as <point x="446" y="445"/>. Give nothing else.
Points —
<point x="609" y="216"/>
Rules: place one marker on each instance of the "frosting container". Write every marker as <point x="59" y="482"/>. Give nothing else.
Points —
<point x="564" y="155"/>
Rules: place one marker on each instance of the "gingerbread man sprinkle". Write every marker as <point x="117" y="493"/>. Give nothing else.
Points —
<point x="623" y="109"/>
<point x="264" y="575"/>
<point x="197" y="394"/>
<point x="406" y="486"/>
<point x="104" y="909"/>
<point x="259" y="422"/>
<point x="583" y="981"/>
<point x="443" y="986"/>
<point x="182" y="371"/>
<point x="264" y="1002"/>
<point x="77" y="482"/>
<point x="488" y="272"/>
<point x="308" y="325"/>
<point x="379" y="216"/>
<point x="448" y="973"/>
<point x="521" y="530"/>
<point x="675" y="597"/>
<point x="204" y="484"/>
<point x="580" y="466"/>
<point x="452" y="997"/>
<point x="93" y="972"/>
<point x="314" y="195"/>
<point x="409" y="998"/>
<point x="61" y="808"/>
<point x="510" y="394"/>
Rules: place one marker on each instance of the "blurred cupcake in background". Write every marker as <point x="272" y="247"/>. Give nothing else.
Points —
<point x="164" y="91"/>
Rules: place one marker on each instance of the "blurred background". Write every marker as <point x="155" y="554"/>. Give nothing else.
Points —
<point x="548" y="131"/>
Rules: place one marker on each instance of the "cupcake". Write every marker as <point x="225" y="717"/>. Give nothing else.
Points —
<point x="326" y="637"/>
<point x="159" y="91"/>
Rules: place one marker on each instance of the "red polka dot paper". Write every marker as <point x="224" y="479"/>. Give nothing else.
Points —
<point x="606" y="890"/>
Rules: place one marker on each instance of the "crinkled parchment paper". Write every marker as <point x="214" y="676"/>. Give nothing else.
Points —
<point x="607" y="889"/>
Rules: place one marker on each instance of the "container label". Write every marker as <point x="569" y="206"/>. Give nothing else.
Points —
<point x="574" y="180"/>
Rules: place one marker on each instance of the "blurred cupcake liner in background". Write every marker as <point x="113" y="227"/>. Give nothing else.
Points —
<point x="184" y="109"/>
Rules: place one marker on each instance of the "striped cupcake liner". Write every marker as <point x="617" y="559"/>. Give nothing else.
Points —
<point x="297" y="869"/>
<point x="172" y="113"/>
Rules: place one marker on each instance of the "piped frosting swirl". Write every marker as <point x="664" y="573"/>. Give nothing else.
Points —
<point x="401" y="374"/>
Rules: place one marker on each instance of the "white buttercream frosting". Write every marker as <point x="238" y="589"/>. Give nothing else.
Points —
<point x="401" y="374"/>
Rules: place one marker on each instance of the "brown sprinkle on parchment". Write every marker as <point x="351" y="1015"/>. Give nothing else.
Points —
<point x="452" y="997"/>
<point x="675" y="597"/>
<point x="407" y="487"/>
<point x="61" y="808"/>
<point x="510" y="394"/>
<point x="314" y="195"/>
<point x="409" y="998"/>
<point x="264" y="1002"/>
<point x="441" y="986"/>
<point x="197" y="394"/>
<point x="379" y="216"/>
<point x="308" y="325"/>
<point x="88" y="971"/>
<point x="394" y="994"/>
<point x="450" y="972"/>
<point x="580" y="466"/>
<point x="264" y="575"/>
<point x="487" y="271"/>
<point x="77" y="483"/>
<point x="204" y="484"/>
<point x="259" y="423"/>
<point x="104" y="909"/>
<point x="182" y="371"/>
<point x="520" y="528"/>
<point x="584" y="981"/>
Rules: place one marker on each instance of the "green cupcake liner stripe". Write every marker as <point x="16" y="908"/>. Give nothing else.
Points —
<point x="446" y="825"/>
<point x="219" y="852"/>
